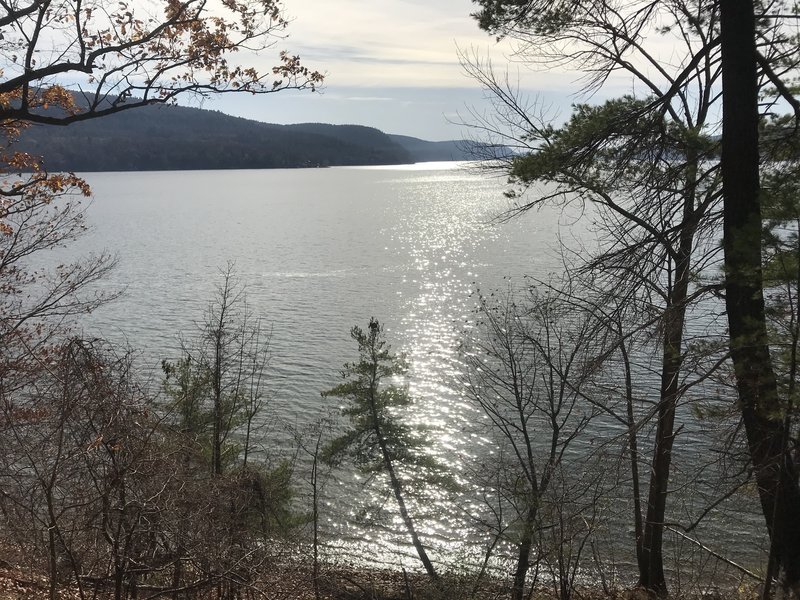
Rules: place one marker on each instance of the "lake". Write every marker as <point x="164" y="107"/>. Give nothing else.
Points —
<point x="318" y="250"/>
<point x="322" y="250"/>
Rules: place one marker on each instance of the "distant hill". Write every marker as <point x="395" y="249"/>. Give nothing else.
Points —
<point x="174" y="137"/>
<point x="423" y="150"/>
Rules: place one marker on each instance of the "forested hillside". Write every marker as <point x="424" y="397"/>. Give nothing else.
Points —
<point x="162" y="137"/>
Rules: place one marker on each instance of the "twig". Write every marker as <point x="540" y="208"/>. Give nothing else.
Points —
<point x="717" y="555"/>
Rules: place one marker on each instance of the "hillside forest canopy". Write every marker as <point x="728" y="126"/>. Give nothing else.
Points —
<point x="113" y="488"/>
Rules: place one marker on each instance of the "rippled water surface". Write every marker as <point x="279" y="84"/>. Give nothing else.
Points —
<point x="321" y="250"/>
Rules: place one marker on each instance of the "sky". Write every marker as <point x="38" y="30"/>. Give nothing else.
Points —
<point x="391" y="64"/>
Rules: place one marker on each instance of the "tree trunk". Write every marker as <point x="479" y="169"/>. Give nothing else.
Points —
<point x="633" y="448"/>
<point x="762" y="412"/>
<point x="397" y="489"/>
<point x="651" y="560"/>
<point x="401" y="504"/>
<point x="652" y="577"/>
<point x="216" y="384"/>
<point x="52" y="562"/>
<point x="524" y="554"/>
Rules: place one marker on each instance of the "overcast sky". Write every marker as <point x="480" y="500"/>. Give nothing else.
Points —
<point x="391" y="64"/>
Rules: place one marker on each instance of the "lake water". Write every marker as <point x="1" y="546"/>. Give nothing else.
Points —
<point x="321" y="250"/>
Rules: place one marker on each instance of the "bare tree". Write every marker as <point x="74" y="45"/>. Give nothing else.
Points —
<point x="97" y="491"/>
<point x="71" y="438"/>
<point x="529" y="362"/>
<point x="219" y="385"/>
<point x="40" y="214"/>
<point x="645" y="167"/>
<point x="312" y="442"/>
<point x="743" y="48"/>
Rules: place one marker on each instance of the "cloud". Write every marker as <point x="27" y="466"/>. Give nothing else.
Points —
<point x="381" y="56"/>
<point x="394" y="64"/>
<point x="391" y="42"/>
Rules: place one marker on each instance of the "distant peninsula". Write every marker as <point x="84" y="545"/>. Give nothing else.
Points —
<point x="174" y="137"/>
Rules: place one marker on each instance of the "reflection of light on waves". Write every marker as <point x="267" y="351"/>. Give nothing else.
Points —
<point x="442" y="232"/>
<point x="432" y="326"/>
<point x="457" y="167"/>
